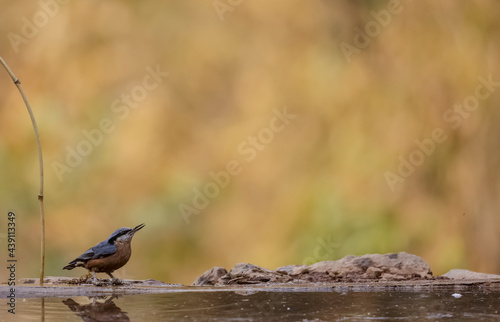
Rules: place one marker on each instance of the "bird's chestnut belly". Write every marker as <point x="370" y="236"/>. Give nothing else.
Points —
<point x="110" y="263"/>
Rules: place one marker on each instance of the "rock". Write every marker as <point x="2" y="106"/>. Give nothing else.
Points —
<point x="288" y="269"/>
<point x="47" y="280"/>
<point x="463" y="274"/>
<point x="399" y="266"/>
<point x="151" y="282"/>
<point x="245" y="273"/>
<point x="54" y="280"/>
<point x="373" y="272"/>
<point x="210" y="277"/>
<point x="242" y="273"/>
<point x="389" y="267"/>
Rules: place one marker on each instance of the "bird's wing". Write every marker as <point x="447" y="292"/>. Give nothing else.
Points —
<point x="103" y="249"/>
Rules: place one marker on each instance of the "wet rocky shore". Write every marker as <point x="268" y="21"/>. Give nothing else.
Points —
<point x="371" y="272"/>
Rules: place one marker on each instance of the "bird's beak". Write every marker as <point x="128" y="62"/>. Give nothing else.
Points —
<point x="137" y="228"/>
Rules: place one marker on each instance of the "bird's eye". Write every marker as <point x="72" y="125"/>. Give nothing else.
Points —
<point x="123" y="233"/>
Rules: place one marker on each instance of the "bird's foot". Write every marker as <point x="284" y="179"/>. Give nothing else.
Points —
<point x="96" y="282"/>
<point x="116" y="281"/>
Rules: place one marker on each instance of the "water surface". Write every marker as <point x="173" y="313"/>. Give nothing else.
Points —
<point x="265" y="306"/>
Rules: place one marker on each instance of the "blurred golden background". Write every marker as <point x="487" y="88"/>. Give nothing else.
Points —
<point x="274" y="133"/>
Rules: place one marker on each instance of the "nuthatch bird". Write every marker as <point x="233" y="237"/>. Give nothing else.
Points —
<point x="109" y="255"/>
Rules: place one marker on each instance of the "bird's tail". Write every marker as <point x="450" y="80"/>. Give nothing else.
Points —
<point x="70" y="266"/>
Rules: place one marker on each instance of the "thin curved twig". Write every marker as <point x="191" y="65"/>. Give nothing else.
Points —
<point x="40" y="159"/>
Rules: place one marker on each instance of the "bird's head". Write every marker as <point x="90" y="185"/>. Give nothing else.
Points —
<point x="124" y="234"/>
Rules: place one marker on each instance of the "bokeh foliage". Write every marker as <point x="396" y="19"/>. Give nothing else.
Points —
<point x="320" y="179"/>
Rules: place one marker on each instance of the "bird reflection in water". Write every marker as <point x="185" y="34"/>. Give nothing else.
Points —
<point x="98" y="311"/>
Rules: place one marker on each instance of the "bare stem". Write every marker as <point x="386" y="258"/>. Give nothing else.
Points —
<point x="40" y="159"/>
